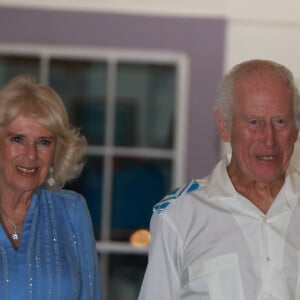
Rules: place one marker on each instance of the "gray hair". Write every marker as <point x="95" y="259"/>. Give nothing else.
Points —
<point x="242" y="71"/>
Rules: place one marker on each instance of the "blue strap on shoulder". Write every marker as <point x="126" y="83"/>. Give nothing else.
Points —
<point x="174" y="194"/>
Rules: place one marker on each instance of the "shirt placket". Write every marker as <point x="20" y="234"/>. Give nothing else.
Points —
<point x="267" y="259"/>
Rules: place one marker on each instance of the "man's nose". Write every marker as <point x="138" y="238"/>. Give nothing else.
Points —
<point x="269" y="135"/>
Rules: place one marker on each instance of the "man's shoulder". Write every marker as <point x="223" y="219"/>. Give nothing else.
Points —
<point x="178" y="193"/>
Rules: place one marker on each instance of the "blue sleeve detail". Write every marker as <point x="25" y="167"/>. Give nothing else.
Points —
<point x="174" y="194"/>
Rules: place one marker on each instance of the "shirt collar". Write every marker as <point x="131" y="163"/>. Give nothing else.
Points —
<point x="219" y="183"/>
<point x="220" y="186"/>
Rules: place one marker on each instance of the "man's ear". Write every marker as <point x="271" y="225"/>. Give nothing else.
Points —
<point x="296" y="135"/>
<point x="224" y="131"/>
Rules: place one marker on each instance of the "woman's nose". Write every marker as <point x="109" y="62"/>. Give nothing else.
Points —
<point x="31" y="151"/>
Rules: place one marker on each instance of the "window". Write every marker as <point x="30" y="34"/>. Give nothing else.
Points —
<point x="131" y="106"/>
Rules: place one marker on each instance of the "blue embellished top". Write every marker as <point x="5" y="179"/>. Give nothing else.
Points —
<point x="56" y="258"/>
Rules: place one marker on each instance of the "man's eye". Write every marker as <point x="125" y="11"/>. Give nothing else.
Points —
<point x="254" y="122"/>
<point x="279" y="121"/>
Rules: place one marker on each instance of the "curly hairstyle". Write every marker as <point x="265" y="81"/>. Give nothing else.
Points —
<point x="23" y="94"/>
<point x="254" y="69"/>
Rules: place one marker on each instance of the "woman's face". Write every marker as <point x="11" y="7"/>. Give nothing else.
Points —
<point x="26" y="153"/>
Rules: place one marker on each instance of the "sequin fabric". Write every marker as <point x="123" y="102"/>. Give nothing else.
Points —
<point x="57" y="257"/>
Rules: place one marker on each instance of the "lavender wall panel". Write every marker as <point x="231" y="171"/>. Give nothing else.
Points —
<point x="202" y="39"/>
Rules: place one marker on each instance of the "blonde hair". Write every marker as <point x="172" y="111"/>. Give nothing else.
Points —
<point x="23" y="94"/>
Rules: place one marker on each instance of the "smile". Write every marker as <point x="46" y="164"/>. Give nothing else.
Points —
<point x="265" y="157"/>
<point x="25" y="170"/>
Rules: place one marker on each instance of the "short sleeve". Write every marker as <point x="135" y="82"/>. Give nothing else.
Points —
<point x="162" y="279"/>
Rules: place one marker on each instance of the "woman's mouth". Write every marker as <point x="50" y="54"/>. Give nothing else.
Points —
<point x="26" y="170"/>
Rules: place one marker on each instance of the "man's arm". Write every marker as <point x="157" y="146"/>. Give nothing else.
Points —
<point x="162" y="277"/>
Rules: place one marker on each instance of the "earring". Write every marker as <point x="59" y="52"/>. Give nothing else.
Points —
<point x="51" y="180"/>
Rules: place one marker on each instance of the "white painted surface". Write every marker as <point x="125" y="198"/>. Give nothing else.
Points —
<point x="232" y="9"/>
<point x="269" y="39"/>
<point x="256" y="29"/>
<point x="158" y="7"/>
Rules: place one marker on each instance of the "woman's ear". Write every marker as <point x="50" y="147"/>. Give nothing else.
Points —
<point x="223" y="127"/>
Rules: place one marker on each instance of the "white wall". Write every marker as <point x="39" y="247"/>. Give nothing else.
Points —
<point x="236" y="9"/>
<point x="255" y="29"/>
<point x="166" y="7"/>
<point x="267" y="30"/>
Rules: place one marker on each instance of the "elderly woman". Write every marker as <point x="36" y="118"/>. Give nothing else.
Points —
<point x="47" y="247"/>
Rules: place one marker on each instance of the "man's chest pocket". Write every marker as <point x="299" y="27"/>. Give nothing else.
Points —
<point x="217" y="278"/>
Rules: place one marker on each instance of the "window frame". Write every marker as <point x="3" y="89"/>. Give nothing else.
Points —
<point x="113" y="56"/>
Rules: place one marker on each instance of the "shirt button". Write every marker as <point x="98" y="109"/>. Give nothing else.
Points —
<point x="267" y="296"/>
<point x="268" y="259"/>
<point x="265" y="219"/>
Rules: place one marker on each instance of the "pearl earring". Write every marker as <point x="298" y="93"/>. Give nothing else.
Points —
<point x="51" y="180"/>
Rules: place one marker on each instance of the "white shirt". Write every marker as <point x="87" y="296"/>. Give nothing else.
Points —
<point x="209" y="242"/>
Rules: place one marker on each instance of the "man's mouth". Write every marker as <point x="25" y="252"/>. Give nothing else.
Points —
<point x="266" y="157"/>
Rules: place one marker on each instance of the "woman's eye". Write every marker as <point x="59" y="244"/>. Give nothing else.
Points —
<point x="16" y="139"/>
<point x="45" y="142"/>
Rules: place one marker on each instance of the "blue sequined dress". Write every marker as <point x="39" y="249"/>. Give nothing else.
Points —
<point x="56" y="258"/>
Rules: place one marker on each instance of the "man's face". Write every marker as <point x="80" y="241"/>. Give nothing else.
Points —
<point x="263" y="131"/>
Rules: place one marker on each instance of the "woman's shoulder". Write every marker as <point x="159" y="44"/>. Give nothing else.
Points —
<point x="67" y="194"/>
<point x="69" y="199"/>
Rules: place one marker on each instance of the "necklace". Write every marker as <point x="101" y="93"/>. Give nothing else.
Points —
<point x="15" y="236"/>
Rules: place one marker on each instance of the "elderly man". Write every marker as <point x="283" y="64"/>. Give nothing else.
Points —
<point x="235" y="234"/>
